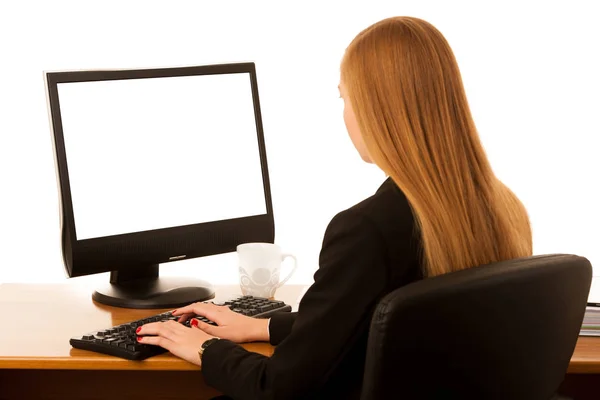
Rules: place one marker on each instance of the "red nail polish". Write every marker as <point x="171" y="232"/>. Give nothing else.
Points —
<point x="194" y="322"/>
<point x="138" y="330"/>
<point x="139" y="338"/>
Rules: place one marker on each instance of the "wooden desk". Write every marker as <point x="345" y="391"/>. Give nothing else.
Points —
<point x="37" y="362"/>
<point x="582" y="381"/>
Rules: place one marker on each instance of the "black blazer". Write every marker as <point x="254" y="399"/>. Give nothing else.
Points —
<point x="368" y="251"/>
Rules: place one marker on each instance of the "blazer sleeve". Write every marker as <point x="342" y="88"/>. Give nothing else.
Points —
<point x="280" y="326"/>
<point x="331" y="317"/>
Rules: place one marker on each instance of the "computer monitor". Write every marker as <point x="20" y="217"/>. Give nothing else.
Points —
<point x="154" y="166"/>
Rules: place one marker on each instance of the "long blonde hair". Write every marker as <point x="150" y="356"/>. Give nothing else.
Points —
<point x="404" y="84"/>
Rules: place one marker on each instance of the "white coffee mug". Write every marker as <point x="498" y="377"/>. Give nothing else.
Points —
<point x="260" y="267"/>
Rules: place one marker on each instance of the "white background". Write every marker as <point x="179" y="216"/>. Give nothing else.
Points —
<point x="531" y="71"/>
<point x="158" y="153"/>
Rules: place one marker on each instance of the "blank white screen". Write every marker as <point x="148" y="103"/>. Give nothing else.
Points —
<point x="154" y="153"/>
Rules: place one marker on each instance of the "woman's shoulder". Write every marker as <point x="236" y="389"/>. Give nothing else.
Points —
<point x="388" y="208"/>
<point x="386" y="219"/>
<point x="384" y="216"/>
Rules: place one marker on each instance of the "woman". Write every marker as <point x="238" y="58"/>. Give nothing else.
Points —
<point x="441" y="210"/>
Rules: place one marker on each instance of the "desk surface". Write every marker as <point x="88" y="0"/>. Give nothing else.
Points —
<point x="39" y="319"/>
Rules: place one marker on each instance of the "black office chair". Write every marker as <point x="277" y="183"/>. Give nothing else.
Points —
<point x="501" y="331"/>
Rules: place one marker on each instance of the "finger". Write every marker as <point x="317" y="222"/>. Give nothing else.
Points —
<point x="189" y="309"/>
<point x="203" y="326"/>
<point x="149" y="329"/>
<point x="210" y="311"/>
<point x="165" y="329"/>
<point x="181" y="310"/>
<point x="156" y="341"/>
<point x="185" y="317"/>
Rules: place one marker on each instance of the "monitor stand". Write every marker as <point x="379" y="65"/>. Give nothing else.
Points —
<point x="141" y="287"/>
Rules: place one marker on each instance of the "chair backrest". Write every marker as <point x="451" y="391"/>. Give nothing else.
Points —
<point x="500" y="331"/>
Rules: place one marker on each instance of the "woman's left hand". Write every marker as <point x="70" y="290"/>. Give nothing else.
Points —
<point x="180" y="340"/>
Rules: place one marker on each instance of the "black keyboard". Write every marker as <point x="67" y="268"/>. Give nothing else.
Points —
<point x="121" y="341"/>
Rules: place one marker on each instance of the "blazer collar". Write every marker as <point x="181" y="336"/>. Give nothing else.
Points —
<point x="386" y="184"/>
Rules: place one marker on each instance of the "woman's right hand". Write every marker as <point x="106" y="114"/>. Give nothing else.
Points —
<point x="231" y="325"/>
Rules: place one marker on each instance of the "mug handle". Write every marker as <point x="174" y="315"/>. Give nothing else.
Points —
<point x="283" y="257"/>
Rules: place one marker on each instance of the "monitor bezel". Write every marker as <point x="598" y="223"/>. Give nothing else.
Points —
<point x="157" y="246"/>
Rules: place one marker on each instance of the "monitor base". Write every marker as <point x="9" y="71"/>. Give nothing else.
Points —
<point x="148" y="290"/>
